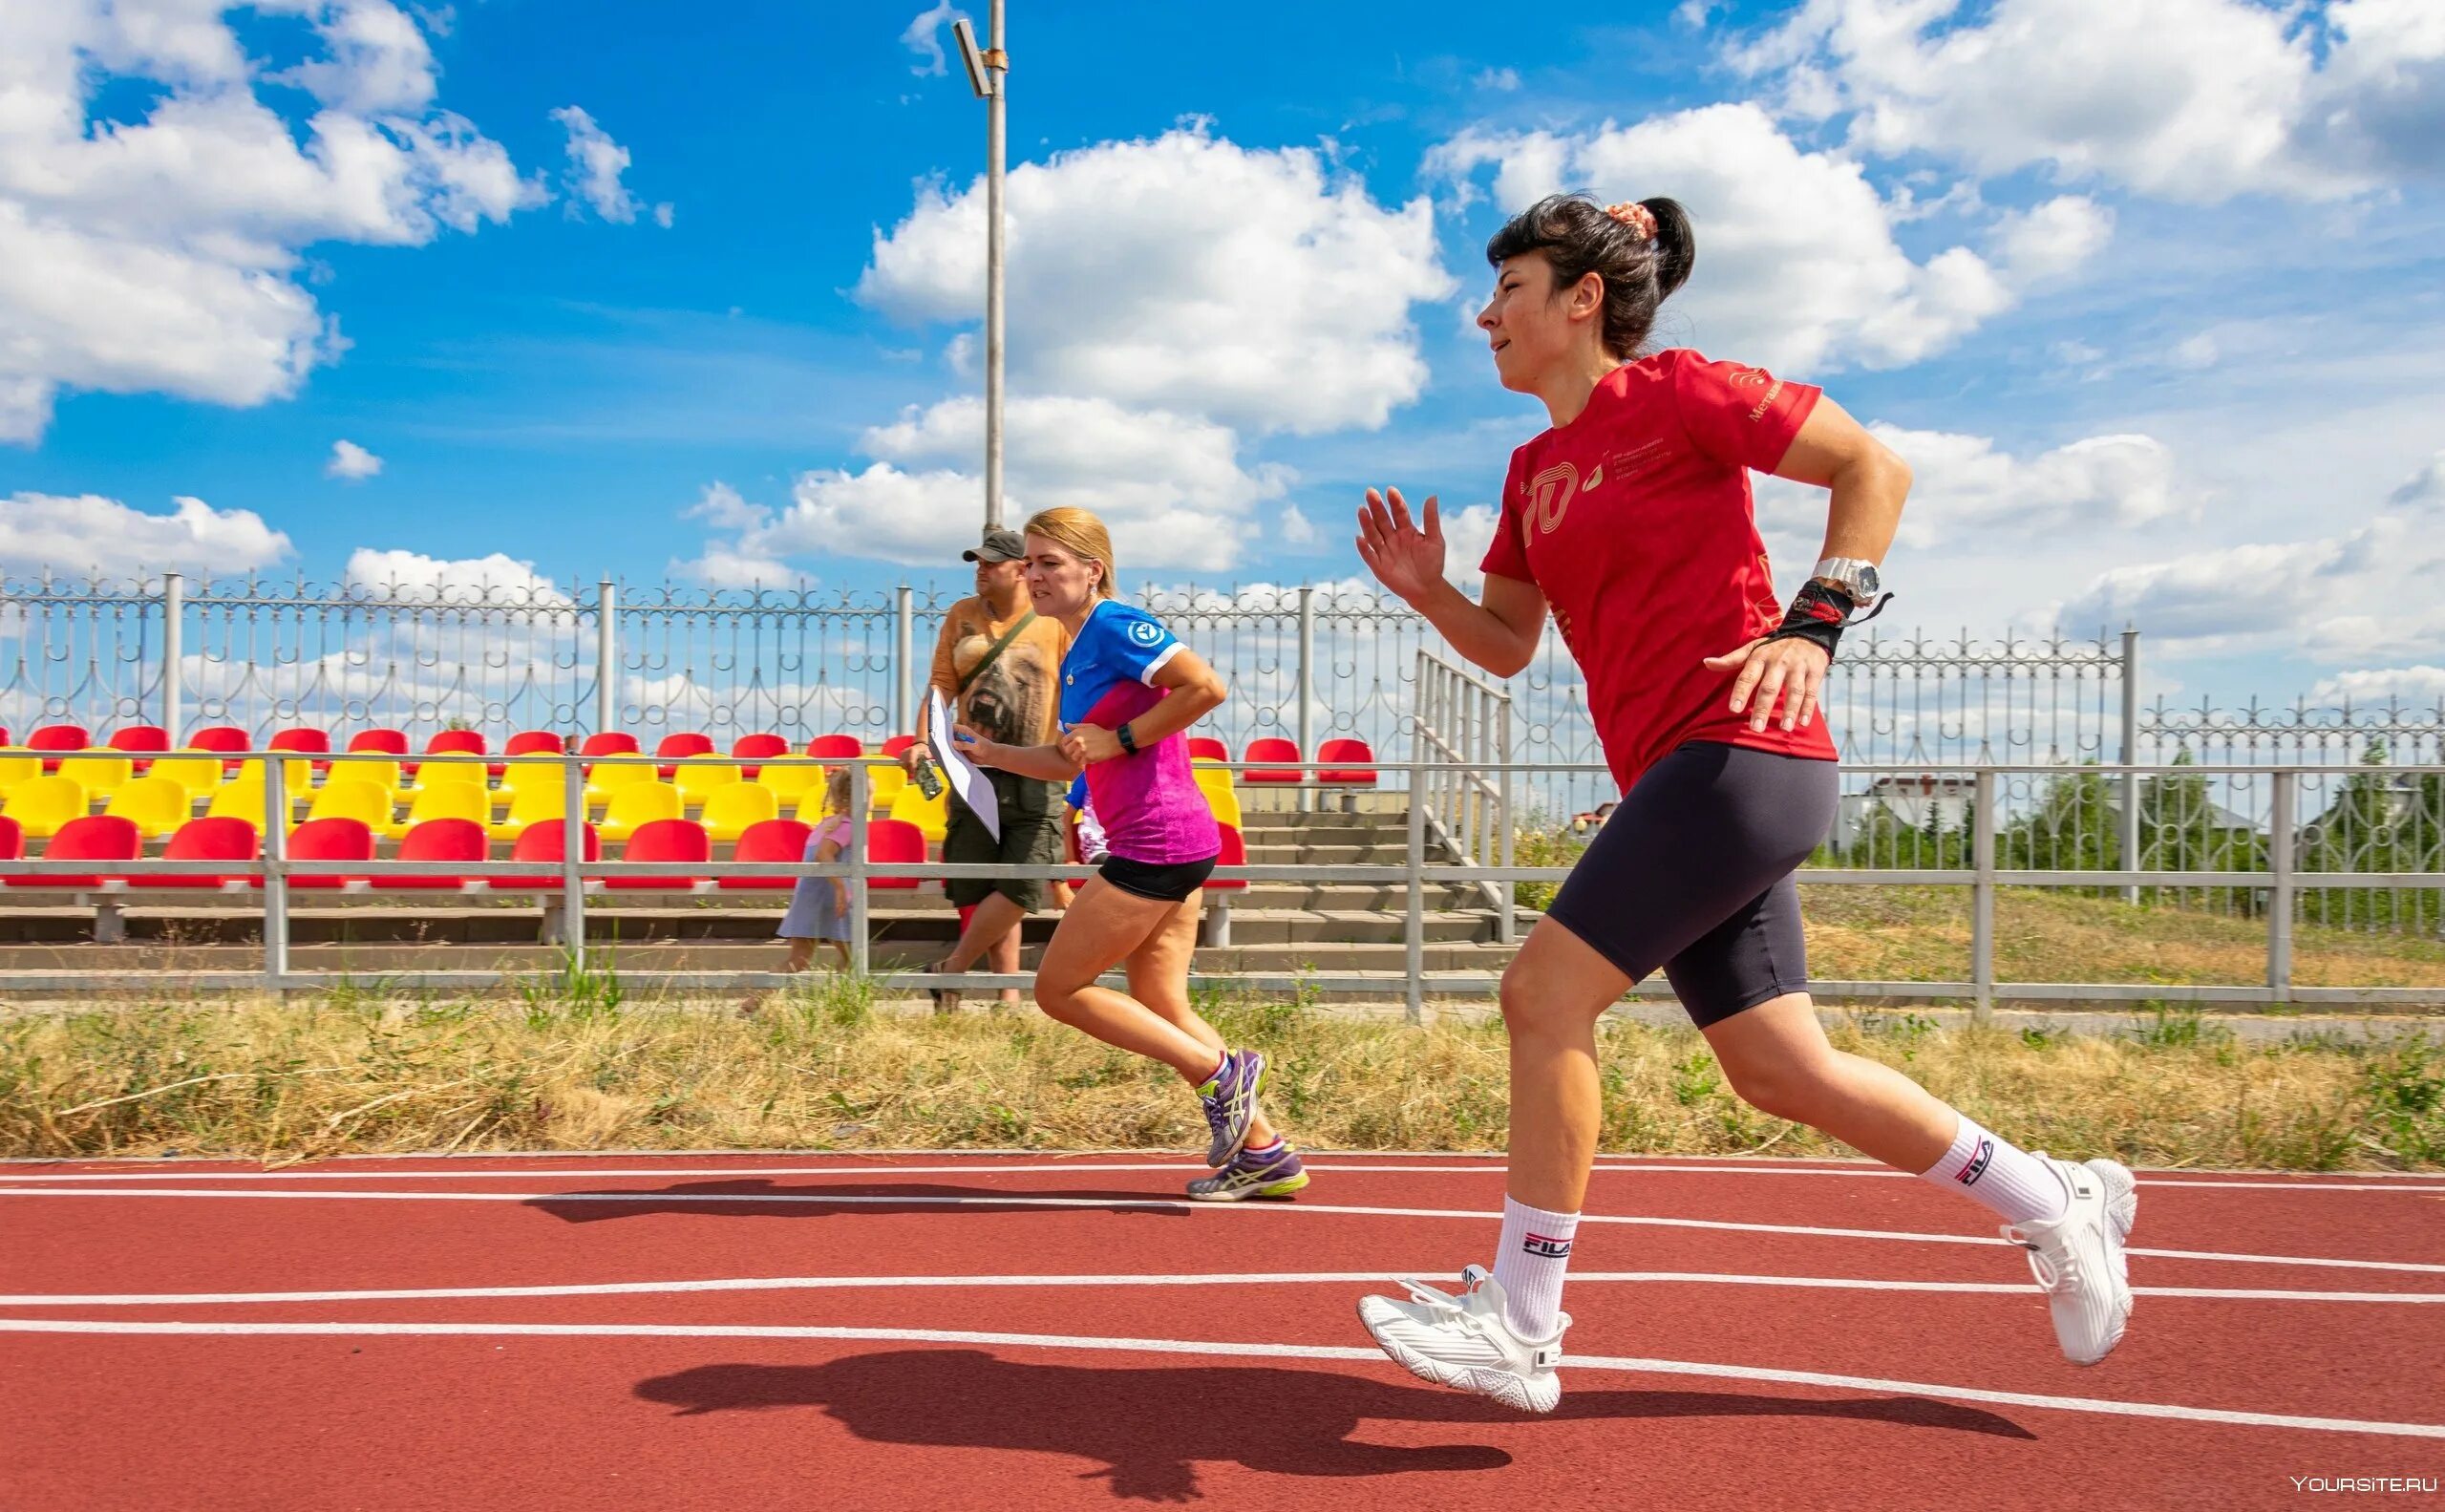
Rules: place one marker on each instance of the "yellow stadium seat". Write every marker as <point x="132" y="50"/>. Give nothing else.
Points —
<point x="99" y="775"/>
<point x="157" y="804"/>
<point x="608" y="781"/>
<point x="730" y="808"/>
<point x="346" y="797"/>
<point x="17" y="766"/>
<point x="41" y="804"/>
<point x="199" y="775"/>
<point x="790" y="778"/>
<point x="1221" y="795"/>
<point x="636" y="803"/>
<point x="531" y="805"/>
<point x="433" y="771"/>
<point x="697" y="779"/>
<point x="932" y="816"/>
<point x="238" y="798"/>
<point x="517" y="776"/>
<point x="887" y="782"/>
<point x="444" y="800"/>
<point x="384" y="775"/>
<point x="296" y="777"/>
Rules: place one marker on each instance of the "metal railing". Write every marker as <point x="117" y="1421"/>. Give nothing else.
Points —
<point x="1983" y="869"/>
<point x="1465" y="721"/>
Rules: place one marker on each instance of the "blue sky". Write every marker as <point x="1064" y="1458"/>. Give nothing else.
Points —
<point x="2156" y="318"/>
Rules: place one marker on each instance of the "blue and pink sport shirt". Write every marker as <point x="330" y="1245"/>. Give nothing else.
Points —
<point x="1148" y="803"/>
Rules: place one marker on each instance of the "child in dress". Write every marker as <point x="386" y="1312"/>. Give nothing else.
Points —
<point x="819" y="905"/>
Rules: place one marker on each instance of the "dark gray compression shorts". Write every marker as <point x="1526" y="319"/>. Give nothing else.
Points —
<point x="1693" y="874"/>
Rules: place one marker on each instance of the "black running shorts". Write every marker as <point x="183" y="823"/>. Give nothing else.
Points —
<point x="1163" y="882"/>
<point x="1693" y="874"/>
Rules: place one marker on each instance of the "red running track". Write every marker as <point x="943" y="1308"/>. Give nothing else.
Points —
<point x="931" y="1330"/>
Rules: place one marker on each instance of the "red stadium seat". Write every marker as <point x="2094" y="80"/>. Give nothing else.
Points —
<point x="1234" y="853"/>
<point x="756" y="747"/>
<point x="221" y="738"/>
<point x="453" y="742"/>
<point x="835" y="748"/>
<point x="329" y="839"/>
<point x="13" y="840"/>
<point x="1272" y="748"/>
<point x="438" y="840"/>
<point x="231" y="839"/>
<point x="678" y="841"/>
<point x="771" y="839"/>
<point x="303" y="740"/>
<point x="380" y="741"/>
<point x="537" y="742"/>
<point x="59" y="737"/>
<point x="544" y="844"/>
<point x="1206" y="748"/>
<point x="680" y="744"/>
<point x="899" y="745"/>
<point x="95" y="837"/>
<point x="895" y="840"/>
<point x="609" y="742"/>
<point x="1359" y="770"/>
<point x="140" y="738"/>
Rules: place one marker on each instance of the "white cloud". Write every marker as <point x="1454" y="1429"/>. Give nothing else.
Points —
<point x="2193" y="100"/>
<point x="2366" y="594"/>
<point x="1503" y="79"/>
<point x="1797" y="267"/>
<point x="2197" y="352"/>
<point x="1296" y="529"/>
<point x="162" y="255"/>
<point x="596" y="163"/>
<point x="87" y="533"/>
<point x="2377" y="684"/>
<point x="924" y="38"/>
<point x="352" y="462"/>
<point x="1468" y="534"/>
<point x="413" y="576"/>
<point x="2050" y="240"/>
<point x="1961" y="485"/>
<point x="1171" y="487"/>
<point x="1186" y="274"/>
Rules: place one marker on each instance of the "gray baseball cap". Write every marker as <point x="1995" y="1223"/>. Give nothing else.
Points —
<point x="998" y="545"/>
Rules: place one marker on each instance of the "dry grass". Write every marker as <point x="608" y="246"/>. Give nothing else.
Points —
<point x="822" y="1072"/>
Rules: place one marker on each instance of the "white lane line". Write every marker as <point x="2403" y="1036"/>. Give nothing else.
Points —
<point x="617" y="1289"/>
<point x="1072" y="1168"/>
<point x="1156" y="1204"/>
<point x="1301" y="1351"/>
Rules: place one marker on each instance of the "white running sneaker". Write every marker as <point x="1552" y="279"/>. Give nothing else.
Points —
<point x="2078" y="1257"/>
<point x="1466" y="1341"/>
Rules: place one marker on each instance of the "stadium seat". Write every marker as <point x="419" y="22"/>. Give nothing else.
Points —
<point x="140" y="742"/>
<point x="1215" y="927"/>
<point x="95" y="837"/>
<point x="1221" y="794"/>
<point x="790" y="778"/>
<point x="347" y="798"/>
<point x="638" y="804"/>
<point x="230" y="839"/>
<point x="379" y="741"/>
<point x="773" y="840"/>
<point x="44" y="806"/>
<point x="221" y="738"/>
<point x="389" y="774"/>
<point x="439" y="840"/>
<point x="681" y="744"/>
<point x="296" y="777"/>
<point x="894" y="842"/>
<point x="732" y="808"/>
<point x="532" y="805"/>
<point x="695" y="779"/>
<point x="1272" y="748"/>
<point x="16" y="767"/>
<point x="51" y="740"/>
<point x="199" y="775"/>
<point x="931" y="816"/>
<point x="676" y="841"/>
<point x="301" y="737"/>
<point x="329" y="839"/>
<point x="13" y="840"/>
<point x="1358" y="763"/>
<point x="99" y="775"/>
<point x="544" y="845"/>
<point x="1206" y="748"/>
<point x="835" y="748"/>
<point x="609" y="742"/>
<point x="440" y="801"/>
<point x="1235" y="853"/>
<point x="899" y="745"/>
<point x="884" y="786"/>
<point x="455" y="742"/>
<point x="156" y="805"/>
<point x="606" y="781"/>
<point x="517" y="776"/>
<point x="537" y="742"/>
<point x="241" y="798"/>
<point x="758" y="746"/>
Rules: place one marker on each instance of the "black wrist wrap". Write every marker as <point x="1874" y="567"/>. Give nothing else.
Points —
<point x="1819" y="613"/>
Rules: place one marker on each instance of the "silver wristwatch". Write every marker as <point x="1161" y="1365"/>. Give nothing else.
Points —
<point x="1856" y="576"/>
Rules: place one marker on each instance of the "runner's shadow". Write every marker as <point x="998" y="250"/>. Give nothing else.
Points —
<point x="760" y="1197"/>
<point x="1150" y="1427"/>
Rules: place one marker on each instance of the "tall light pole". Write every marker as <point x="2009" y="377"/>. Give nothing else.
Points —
<point x="989" y="72"/>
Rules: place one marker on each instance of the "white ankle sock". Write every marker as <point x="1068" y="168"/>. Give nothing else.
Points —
<point x="2015" y="1185"/>
<point x="1529" y="1264"/>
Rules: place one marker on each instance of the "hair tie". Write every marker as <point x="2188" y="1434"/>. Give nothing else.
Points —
<point x="1637" y="217"/>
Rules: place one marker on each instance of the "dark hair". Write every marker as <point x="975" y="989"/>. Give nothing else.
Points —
<point x="1579" y="237"/>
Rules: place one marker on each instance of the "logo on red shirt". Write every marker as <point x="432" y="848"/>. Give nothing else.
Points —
<point x="1758" y="379"/>
<point x="1549" y="495"/>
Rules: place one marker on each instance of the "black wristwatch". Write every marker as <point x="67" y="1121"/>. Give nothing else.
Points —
<point x="1128" y="741"/>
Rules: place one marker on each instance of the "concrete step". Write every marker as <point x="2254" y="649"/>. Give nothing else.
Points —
<point x="1320" y="850"/>
<point x="1394" y="823"/>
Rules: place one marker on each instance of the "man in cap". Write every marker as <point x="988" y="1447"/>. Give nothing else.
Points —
<point x="999" y="666"/>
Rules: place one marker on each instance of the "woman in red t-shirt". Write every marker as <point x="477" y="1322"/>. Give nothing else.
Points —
<point x="1631" y="523"/>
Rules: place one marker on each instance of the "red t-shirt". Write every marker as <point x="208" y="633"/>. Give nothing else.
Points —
<point x="1635" y="520"/>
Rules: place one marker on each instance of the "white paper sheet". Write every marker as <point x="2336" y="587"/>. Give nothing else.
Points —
<point x="968" y="780"/>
